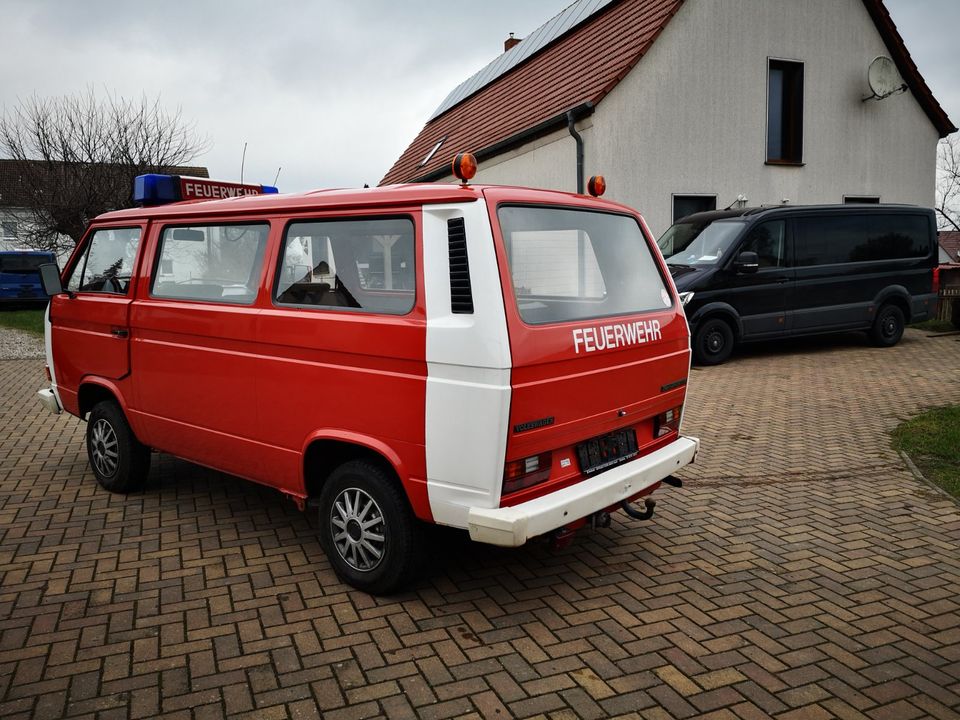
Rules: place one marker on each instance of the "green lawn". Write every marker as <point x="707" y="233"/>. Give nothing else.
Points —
<point x="932" y="441"/>
<point x="29" y="320"/>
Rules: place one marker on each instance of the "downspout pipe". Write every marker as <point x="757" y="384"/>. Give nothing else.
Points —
<point x="571" y="126"/>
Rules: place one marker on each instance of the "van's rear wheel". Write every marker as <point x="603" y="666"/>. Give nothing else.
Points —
<point x="887" y="326"/>
<point x="713" y="342"/>
<point x="367" y="528"/>
<point x="119" y="461"/>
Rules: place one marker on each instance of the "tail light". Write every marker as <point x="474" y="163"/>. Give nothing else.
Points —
<point x="668" y="422"/>
<point x="936" y="281"/>
<point x="520" y="474"/>
<point x="46" y="371"/>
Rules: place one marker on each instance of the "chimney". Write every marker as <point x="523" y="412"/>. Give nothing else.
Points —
<point x="511" y="42"/>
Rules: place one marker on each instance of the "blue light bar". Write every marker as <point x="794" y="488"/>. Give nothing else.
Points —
<point x="154" y="189"/>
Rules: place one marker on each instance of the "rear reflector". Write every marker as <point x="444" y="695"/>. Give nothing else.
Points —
<point x="46" y="371"/>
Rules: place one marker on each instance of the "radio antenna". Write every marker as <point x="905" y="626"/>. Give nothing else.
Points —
<point x="243" y="159"/>
<point x="277" y="176"/>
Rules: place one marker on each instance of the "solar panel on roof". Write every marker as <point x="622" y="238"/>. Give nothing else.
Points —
<point x="537" y="40"/>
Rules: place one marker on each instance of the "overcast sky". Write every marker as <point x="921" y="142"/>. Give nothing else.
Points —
<point x="332" y="92"/>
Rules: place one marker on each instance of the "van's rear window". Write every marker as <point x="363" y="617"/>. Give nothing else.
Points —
<point x="576" y="265"/>
<point x="23" y="263"/>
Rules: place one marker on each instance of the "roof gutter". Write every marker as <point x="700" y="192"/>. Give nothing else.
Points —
<point x="522" y="138"/>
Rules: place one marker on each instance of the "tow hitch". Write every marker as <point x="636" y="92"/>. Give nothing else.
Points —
<point x="649" y="503"/>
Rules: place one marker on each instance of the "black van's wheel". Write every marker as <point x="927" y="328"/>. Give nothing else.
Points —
<point x="119" y="461"/>
<point x="887" y="326"/>
<point x="713" y="342"/>
<point x="367" y="528"/>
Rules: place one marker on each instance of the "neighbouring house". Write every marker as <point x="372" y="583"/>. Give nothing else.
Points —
<point x="15" y="215"/>
<point x="693" y="105"/>
<point x="949" y="246"/>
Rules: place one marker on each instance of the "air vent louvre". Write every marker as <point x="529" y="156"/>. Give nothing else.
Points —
<point x="461" y="293"/>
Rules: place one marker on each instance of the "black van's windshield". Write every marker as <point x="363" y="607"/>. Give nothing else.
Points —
<point x="698" y="243"/>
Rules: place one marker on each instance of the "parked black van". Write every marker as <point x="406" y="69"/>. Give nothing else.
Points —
<point x="764" y="273"/>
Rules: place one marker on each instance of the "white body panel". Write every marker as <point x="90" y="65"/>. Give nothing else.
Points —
<point x="50" y="398"/>
<point x="468" y="371"/>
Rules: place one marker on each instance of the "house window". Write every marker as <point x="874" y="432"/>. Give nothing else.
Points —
<point x="785" y="112"/>
<point x="9" y="229"/>
<point x="861" y="199"/>
<point x="684" y="205"/>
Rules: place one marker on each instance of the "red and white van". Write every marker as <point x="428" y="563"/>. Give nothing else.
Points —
<point x="503" y="360"/>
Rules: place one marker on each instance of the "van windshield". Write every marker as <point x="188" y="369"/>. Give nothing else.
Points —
<point x="688" y="243"/>
<point x="577" y="264"/>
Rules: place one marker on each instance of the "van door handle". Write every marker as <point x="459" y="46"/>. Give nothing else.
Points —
<point x="119" y="332"/>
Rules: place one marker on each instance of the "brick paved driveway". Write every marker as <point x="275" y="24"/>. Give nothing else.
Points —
<point x="802" y="572"/>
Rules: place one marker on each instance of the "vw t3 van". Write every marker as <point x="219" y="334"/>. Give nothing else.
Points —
<point x="766" y="273"/>
<point x="508" y="361"/>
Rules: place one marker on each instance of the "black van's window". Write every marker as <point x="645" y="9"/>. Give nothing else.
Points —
<point x="574" y="265"/>
<point x="358" y="264"/>
<point x="895" y="236"/>
<point x="23" y="263"/>
<point x="768" y="241"/>
<point x="107" y="263"/>
<point x="215" y="263"/>
<point x="827" y="239"/>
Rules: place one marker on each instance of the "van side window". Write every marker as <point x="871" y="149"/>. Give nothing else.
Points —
<point x="891" y="237"/>
<point x="826" y="239"/>
<point x="214" y="263"/>
<point x="107" y="262"/>
<point x="357" y="264"/>
<point x="767" y="240"/>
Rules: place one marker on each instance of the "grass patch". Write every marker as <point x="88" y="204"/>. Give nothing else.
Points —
<point x="29" y="320"/>
<point x="932" y="440"/>
<point x="934" y="325"/>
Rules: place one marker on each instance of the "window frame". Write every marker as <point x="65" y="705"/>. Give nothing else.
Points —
<point x="673" y="203"/>
<point x="389" y="215"/>
<point x="799" y="119"/>
<point x="198" y="223"/>
<point x="82" y="253"/>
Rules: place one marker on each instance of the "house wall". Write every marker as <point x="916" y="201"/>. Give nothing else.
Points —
<point x="690" y="118"/>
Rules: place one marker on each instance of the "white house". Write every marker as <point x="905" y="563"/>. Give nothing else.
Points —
<point x="690" y="105"/>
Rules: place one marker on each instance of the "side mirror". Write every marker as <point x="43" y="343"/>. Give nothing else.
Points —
<point x="747" y="262"/>
<point x="50" y="279"/>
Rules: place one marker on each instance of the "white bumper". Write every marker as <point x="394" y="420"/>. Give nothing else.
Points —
<point x="513" y="526"/>
<point x="49" y="400"/>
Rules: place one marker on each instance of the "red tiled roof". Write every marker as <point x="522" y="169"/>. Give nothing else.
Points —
<point x="580" y="67"/>
<point x="950" y="241"/>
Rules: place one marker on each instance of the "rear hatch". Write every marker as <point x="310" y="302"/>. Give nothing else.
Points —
<point x="599" y="344"/>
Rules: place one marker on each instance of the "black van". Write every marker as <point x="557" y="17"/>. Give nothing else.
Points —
<point x="763" y="273"/>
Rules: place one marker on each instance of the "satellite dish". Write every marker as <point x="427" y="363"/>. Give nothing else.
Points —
<point x="884" y="79"/>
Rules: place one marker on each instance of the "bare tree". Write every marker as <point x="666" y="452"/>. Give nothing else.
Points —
<point x="948" y="183"/>
<point x="77" y="156"/>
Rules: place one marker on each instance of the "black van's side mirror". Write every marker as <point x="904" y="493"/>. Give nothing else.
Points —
<point x="50" y="279"/>
<point x="747" y="262"/>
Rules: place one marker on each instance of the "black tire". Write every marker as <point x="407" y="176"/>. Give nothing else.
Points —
<point x="888" y="326"/>
<point x="360" y="490"/>
<point x="713" y="342"/>
<point x="119" y="461"/>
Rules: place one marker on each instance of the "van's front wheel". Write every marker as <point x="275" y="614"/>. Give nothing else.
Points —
<point x="713" y="342"/>
<point x="887" y="326"/>
<point x="367" y="528"/>
<point x="119" y="461"/>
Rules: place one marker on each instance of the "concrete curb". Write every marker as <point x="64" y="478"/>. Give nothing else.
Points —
<point x="915" y="471"/>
